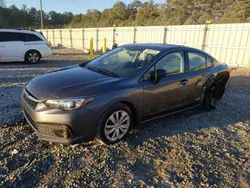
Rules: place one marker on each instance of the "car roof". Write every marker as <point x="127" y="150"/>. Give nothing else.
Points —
<point x="159" y="47"/>
<point x="163" y="47"/>
<point x="19" y="31"/>
<point x="154" y="46"/>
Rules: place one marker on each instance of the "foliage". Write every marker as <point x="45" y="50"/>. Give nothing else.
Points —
<point x="172" y="12"/>
<point x="2" y="3"/>
<point x="12" y="17"/>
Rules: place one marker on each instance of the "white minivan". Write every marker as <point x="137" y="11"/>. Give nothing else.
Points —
<point x="23" y="45"/>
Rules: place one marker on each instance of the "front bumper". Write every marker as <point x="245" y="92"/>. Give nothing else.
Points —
<point x="66" y="127"/>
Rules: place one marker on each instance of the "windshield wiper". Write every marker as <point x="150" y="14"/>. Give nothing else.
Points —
<point x="109" y="73"/>
<point x="103" y="71"/>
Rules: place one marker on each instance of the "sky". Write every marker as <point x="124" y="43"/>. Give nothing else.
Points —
<point x="75" y="6"/>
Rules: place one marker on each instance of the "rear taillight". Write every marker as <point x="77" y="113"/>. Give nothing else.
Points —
<point x="48" y="44"/>
<point x="229" y="70"/>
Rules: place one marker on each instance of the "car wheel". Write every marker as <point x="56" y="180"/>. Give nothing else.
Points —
<point x="32" y="56"/>
<point x="115" y="124"/>
<point x="210" y="98"/>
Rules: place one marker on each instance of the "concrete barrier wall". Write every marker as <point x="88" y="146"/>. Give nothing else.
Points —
<point x="229" y="43"/>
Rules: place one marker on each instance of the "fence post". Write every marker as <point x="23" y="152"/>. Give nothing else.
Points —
<point x="114" y="32"/>
<point x="71" y="41"/>
<point x="61" y="37"/>
<point x="164" y="35"/>
<point x="82" y="38"/>
<point x="97" y="38"/>
<point x="104" y="50"/>
<point x="204" y="38"/>
<point x="53" y="34"/>
<point x="134" y="36"/>
<point x="47" y="34"/>
<point x="91" y="50"/>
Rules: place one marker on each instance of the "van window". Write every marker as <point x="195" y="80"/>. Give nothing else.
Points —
<point x="31" y="37"/>
<point x="10" y="37"/>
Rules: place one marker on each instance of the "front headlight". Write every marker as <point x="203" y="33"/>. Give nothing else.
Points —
<point x="68" y="104"/>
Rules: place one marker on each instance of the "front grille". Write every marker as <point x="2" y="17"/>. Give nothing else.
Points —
<point x="30" y="99"/>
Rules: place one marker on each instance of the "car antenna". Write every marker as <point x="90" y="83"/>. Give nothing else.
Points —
<point x="184" y="43"/>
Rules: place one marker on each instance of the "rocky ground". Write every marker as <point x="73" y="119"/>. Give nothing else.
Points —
<point x="191" y="149"/>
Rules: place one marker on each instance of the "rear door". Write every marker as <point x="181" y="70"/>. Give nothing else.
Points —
<point x="11" y="46"/>
<point x="199" y="70"/>
<point x="34" y="42"/>
<point x="172" y="91"/>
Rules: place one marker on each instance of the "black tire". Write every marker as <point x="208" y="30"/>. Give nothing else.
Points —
<point x="119" y="107"/>
<point x="210" y="98"/>
<point x="32" y="56"/>
<point x="221" y="93"/>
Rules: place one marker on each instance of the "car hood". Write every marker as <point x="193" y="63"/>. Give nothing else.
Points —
<point x="70" y="82"/>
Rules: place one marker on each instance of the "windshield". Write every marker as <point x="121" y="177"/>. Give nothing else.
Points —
<point x="123" y="62"/>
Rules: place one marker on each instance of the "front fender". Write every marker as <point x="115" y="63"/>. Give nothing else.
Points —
<point x="132" y="96"/>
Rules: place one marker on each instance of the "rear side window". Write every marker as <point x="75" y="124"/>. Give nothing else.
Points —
<point x="10" y="37"/>
<point x="31" y="37"/>
<point x="197" y="61"/>
<point x="210" y="62"/>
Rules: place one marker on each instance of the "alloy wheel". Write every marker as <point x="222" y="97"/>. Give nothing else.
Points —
<point x="33" y="57"/>
<point x="117" y="125"/>
<point x="213" y="99"/>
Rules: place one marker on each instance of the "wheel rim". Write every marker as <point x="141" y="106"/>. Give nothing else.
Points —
<point x="117" y="125"/>
<point x="33" y="57"/>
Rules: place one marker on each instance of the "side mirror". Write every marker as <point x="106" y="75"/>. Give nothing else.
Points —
<point x="155" y="76"/>
<point x="115" y="45"/>
<point x="161" y="73"/>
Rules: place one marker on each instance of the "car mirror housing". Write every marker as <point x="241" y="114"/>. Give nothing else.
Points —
<point x="155" y="76"/>
<point x="161" y="73"/>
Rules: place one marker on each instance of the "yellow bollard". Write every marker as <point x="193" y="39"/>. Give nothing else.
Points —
<point x="91" y="49"/>
<point x="104" y="50"/>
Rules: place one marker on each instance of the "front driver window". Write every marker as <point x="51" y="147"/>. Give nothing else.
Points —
<point x="172" y="63"/>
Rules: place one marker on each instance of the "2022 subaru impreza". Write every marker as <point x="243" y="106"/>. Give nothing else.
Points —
<point x="107" y="96"/>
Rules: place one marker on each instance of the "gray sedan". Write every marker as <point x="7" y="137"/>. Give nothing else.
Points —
<point x="132" y="84"/>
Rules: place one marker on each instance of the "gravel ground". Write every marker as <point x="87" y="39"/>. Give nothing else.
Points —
<point x="191" y="149"/>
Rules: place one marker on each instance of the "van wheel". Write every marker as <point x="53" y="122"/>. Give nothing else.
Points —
<point x="210" y="98"/>
<point x="32" y="56"/>
<point x="115" y="124"/>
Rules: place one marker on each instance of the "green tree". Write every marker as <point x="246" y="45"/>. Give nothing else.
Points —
<point x="120" y="10"/>
<point x="2" y="4"/>
<point x="238" y="12"/>
<point x="172" y="12"/>
<point x="147" y="14"/>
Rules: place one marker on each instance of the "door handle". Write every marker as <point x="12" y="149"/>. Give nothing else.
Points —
<point x="2" y="46"/>
<point x="184" y="82"/>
